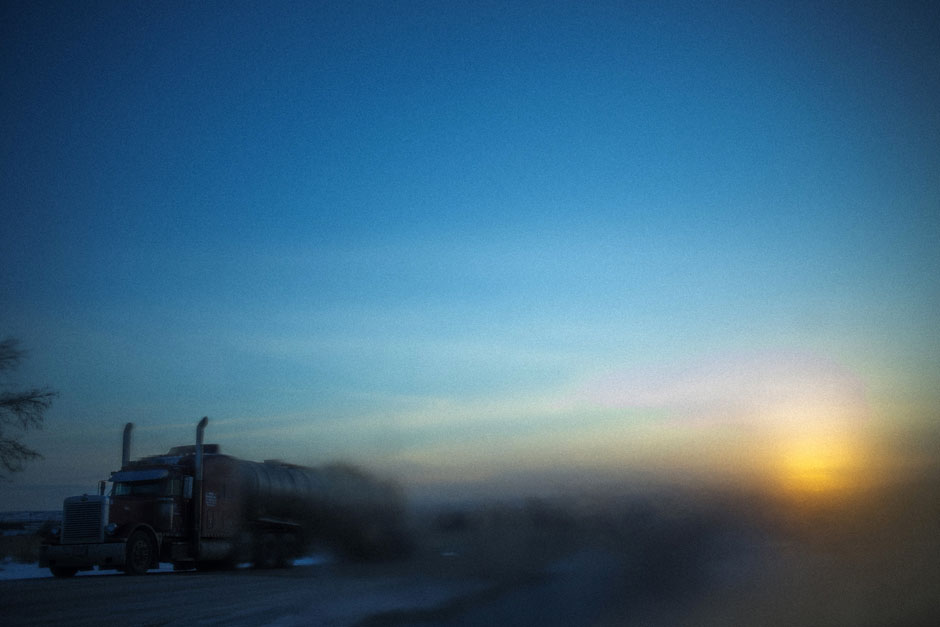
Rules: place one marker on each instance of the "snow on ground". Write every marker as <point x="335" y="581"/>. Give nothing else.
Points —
<point x="10" y="569"/>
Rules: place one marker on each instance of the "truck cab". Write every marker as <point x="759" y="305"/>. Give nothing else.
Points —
<point x="146" y="516"/>
<point x="154" y="495"/>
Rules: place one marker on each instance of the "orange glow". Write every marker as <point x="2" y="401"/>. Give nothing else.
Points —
<point x="810" y="466"/>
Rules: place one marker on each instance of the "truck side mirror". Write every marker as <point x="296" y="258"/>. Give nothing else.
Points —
<point x="188" y="487"/>
<point x="102" y="485"/>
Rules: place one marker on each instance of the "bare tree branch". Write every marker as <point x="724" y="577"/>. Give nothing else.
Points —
<point x="25" y="409"/>
<point x="19" y="410"/>
<point x="14" y="455"/>
<point x="10" y="354"/>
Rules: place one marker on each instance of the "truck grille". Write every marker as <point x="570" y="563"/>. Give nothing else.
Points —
<point x="83" y="519"/>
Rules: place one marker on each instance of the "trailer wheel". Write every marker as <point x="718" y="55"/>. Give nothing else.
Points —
<point x="267" y="551"/>
<point x="140" y="552"/>
<point x="286" y="550"/>
<point x="63" y="572"/>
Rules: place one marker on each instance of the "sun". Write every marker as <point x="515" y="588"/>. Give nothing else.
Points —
<point x="817" y="466"/>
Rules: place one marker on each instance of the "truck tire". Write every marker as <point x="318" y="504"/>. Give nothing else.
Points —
<point x="63" y="572"/>
<point x="285" y="557"/>
<point x="286" y="550"/>
<point x="267" y="551"/>
<point x="140" y="553"/>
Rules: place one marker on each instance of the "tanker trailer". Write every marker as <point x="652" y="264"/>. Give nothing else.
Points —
<point x="264" y="513"/>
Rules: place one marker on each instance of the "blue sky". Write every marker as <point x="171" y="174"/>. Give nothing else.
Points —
<point x="451" y="240"/>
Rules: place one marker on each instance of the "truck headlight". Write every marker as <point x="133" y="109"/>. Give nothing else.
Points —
<point x="110" y="528"/>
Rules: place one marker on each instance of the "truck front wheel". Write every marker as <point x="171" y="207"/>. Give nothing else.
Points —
<point x="140" y="553"/>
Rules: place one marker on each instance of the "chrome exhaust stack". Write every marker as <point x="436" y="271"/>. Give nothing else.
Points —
<point x="126" y="447"/>
<point x="197" y="487"/>
<point x="200" y="429"/>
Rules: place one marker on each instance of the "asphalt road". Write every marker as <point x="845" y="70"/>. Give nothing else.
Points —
<point x="585" y="587"/>
<point x="310" y="595"/>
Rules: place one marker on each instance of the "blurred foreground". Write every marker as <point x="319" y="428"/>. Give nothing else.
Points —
<point x="674" y="557"/>
<point x="650" y="557"/>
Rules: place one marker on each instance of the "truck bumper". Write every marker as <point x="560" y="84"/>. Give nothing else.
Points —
<point x="83" y="556"/>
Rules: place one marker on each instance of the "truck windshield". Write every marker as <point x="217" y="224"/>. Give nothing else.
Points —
<point x="161" y="487"/>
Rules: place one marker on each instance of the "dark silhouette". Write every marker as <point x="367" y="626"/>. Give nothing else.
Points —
<point x="20" y="411"/>
<point x="197" y="508"/>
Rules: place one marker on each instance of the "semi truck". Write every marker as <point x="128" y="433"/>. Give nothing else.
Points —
<point x="194" y="507"/>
